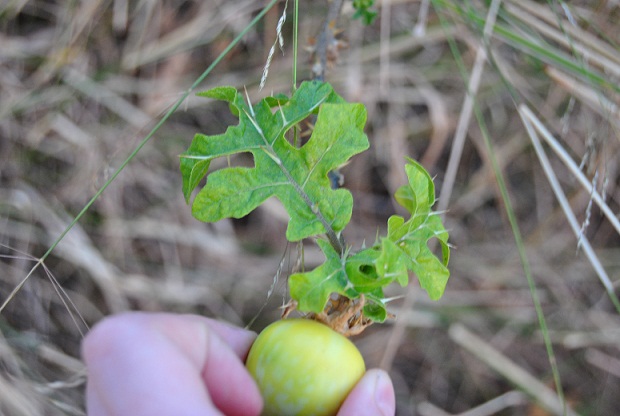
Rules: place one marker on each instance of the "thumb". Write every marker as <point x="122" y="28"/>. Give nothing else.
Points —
<point x="373" y="395"/>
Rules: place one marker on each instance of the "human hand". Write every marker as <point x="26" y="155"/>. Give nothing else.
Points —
<point x="166" y="364"/>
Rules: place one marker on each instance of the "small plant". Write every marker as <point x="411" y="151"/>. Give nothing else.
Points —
<point x="346" y="291"/>
<point x="298" y="175"/>
<point x="364" y="11"/>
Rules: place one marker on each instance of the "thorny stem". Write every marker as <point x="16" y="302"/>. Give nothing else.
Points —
<point x="325" y="38"/>
<point x="348" y="317"/>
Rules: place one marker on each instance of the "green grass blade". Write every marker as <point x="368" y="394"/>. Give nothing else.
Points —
<point x="525" y="264"/>
<point x="528" y="117"/>
<point x="295" y="42"/>
<point x="520" y="37"/>
<point x="144" y="141"/>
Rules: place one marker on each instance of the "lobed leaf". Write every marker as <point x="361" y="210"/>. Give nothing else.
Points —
<point x="412" y="237"/>
<point x="405" y="249"/>
<point x="312" y="289"/>
<point x="297" y="176"/>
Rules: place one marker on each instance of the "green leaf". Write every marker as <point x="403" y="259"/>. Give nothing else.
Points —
<point x="363" y="11"/>
<point x="390" y="260"/>
<point x="391" y="265"/>
<point x="297" y="176"/>
<point x="220" y="93"/>
<point x="374" y="309"/>
<point x="411" y="237"/>
<point x="362" y="272"/>
<point x="349" y="276"/>
<point x="312" y="289"/>
<point x="418" y="196"/>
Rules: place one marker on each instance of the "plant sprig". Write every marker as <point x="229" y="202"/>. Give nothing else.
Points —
<point x="364" y="11"/>
<point x="298" y="176"/>
<point x="404" y="249"/>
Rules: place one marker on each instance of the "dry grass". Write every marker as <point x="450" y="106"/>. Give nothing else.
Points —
<point x="81" y="83"/>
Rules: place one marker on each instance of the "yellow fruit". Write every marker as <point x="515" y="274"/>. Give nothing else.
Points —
<point x="303" y="367"/>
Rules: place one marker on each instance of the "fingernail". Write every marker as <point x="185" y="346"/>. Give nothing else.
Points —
<point x="384" y="395"/>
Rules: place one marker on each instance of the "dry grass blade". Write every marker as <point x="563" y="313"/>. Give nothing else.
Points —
<point x="507" y="368"/>
<point x="467" y="111"/>
<point x="206" y="25"/>
<point x="123" y="108"/>
<point x="573" y="167"/>
<point x="586" y="42"/>
<point x="455" y="158"/>
<point x="568" y="36"/>
<point x="585" y="94"/>
<point x="494" y="406"/>
<point x="278" y="41"/>
<point x="76" y="248"/>
<point x="15" y="400"/>
<point x="79" y="82"/>
<point x="604" y="361"/>
<point x="528" y="117"/>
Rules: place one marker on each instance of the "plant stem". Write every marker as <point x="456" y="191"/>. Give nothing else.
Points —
<point x="326" y="38"/>
<point x="335" y="240"/>
<point x="295" y="42"/>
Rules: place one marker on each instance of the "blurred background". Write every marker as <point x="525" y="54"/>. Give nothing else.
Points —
<point x="83" y="83"/>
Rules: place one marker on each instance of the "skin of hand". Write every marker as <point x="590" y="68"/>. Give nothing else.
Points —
<point x="165" y="364"/>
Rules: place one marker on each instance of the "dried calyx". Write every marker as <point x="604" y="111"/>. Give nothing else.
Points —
<point x="343" y="315"/>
